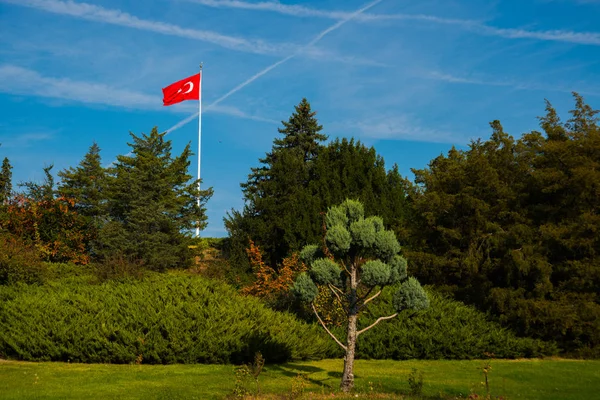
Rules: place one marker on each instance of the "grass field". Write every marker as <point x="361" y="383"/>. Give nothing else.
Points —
<point x="518" y="379"/>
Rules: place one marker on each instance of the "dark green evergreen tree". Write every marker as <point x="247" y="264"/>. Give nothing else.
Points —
<point x="512" y="226"/>
<point x="280" y="213"/>
<point x="348" y="169"/>
<point x="152" y="205"/>
<point x="85" y="184"/>
<point x="5" y="180"/>
<point x="287" y="196"/>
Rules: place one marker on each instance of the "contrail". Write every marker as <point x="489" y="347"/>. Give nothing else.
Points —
<point x="278" y="63"/>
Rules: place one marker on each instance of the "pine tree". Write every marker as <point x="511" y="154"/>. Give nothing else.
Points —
<point x="152" y="204"/>
<point x="85" y="184"/>
<point x="360" y="258"/>
<point x="299" y="179"/>
<point x="280" y="213"/>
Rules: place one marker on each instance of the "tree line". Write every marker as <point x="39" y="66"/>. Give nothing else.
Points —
<point x="139" y="209"/>
<point x="510" y="225"/>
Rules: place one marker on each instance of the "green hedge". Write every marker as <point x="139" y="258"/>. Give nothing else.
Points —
<point x="448" y="329"/>
<point x="165" y="318"/>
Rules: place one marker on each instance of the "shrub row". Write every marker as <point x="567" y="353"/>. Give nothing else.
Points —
<point x="448" y="329"/>
<point x="163" y="318"/>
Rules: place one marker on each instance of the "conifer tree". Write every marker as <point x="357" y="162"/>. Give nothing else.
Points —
<point x="85" y="184"/>
<point x="512" y="226"/>
<point x="5" y="180"/>
<point x="299" y="179"/>
<point x="279" y="212"/>
<point x="152" y="204"/>
<point x="360" y="258"/>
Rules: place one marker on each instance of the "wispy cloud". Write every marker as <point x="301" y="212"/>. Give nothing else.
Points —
<point x="508" y="83"/>
<point x="21" y="140"/>
<point x="26" y="82"/>
<point x="302" y="11"/>
<point x="586" y="38"/>
<point x="401" y="127"/>
<point x="95" y="13"/>
<point x="589" y="38"/>
<point x="248" y="81"/>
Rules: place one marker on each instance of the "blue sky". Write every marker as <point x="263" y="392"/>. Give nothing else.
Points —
<point x="411" y="78"/>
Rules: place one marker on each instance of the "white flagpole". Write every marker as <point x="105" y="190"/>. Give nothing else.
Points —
<point x="199" y="141"/>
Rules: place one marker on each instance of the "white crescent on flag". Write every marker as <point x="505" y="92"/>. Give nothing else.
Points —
<point x="191" y="87"/>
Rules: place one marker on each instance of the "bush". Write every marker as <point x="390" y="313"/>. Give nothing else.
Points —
<point x="448" y="329"/>
<point x="19" y="262"/>
<point x="163" y="318"/>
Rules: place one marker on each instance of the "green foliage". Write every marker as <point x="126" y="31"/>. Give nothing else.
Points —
<point x="512" y="226"/>
<point x="386" y="244"/>
<point x="415" y="382"/>
<point x="357" y="260"/>
<point x="86" y="187"/>
<point x="448" y="329"/>
<point x="5" y="180"/>
<point x="338" y="239"/>
<point x="304" y="288"/>
<point x="410" y="296"/>
<point x="363" y="233"/>
<point x="398" y="269"/>
<point x="325" y="271"/>
<point x="275" y="193"/>
<point x="300" y="179"/>
<point x="375" y="273"/>
<point x="86" y="184"/>
<point x="310" y="253"/>
<point x="19" y="262"/>
<point x="164" y="318"/>
<point x="152" y="205"/>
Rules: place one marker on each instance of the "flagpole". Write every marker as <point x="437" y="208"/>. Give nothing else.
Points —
<point x="199" y="142"/>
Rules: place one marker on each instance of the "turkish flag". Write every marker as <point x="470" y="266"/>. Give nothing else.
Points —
<point x="185" y="89"/>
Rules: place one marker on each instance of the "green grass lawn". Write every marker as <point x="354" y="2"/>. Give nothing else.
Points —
<point x="519" y="379"/>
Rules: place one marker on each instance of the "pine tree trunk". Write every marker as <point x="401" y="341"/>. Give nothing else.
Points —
<point x="348" y="376"/>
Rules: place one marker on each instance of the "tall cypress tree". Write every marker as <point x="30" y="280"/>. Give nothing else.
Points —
<point x="5" y="180"/>
<point x="152" y="204"/>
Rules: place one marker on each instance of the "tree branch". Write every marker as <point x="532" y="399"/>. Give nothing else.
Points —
<point x="332" y="288"/>
<point x="369" y="299"/>
<point x="328" y="331"/>
<point x="345" y="268"/>
<point x="375" y="323"/>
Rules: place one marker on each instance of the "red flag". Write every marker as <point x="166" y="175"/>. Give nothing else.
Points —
<point x="185" y="89"/>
